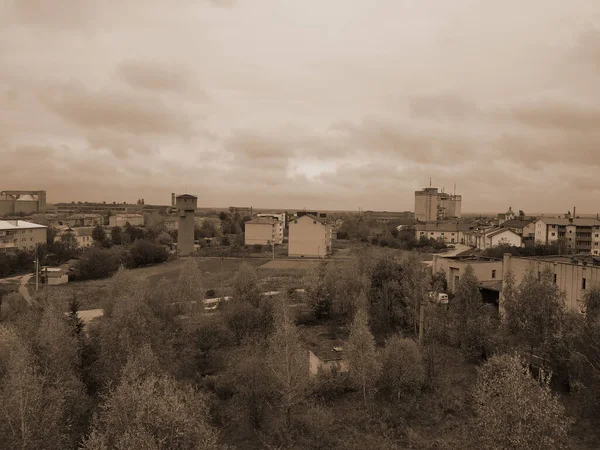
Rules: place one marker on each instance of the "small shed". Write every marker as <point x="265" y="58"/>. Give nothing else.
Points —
<point x="56" y="275"/>
<point x="327" y="355"/>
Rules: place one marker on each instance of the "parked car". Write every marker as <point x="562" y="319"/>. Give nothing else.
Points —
<point x="441" y="297"/>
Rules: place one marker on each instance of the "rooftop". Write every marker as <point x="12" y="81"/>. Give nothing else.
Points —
<point x="567" y="259"/>
<point x="578" y="221"/>
<point x="516" y="223"/>
<point x="262" y="221"/>
<point x="18" y="225"/>
<point x="442" y="226"/>
<point x="132" y="215"/>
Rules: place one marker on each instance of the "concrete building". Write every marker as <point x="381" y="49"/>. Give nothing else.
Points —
<point x="56" y="275"/>
<point x="282" y="217"/>
<point x="186" y="205"/>
<point x="524" y="228"/>
<point x="20" y="235"/>
<point x="263" y="231"/>
<point x="309" y="236"/>
<point x="450" y="232"/>
<point x="98" y="208"/>
<point x="432" y="205"/>
<point x="577" y="234"/>
<point x="493" y="237"/>
<point x="119" y="220"/>
<point x="22" y="202"/>
<point x="327" y="356"/>
<point x="487" y="270"/>
<point x="573" y="275"/>
<point x="596" y="241"/>
<point x="83" y="235"/>
<point x="84" y="220"/>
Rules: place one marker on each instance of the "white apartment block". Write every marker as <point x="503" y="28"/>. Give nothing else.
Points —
<point x="20" y="235"/>
<point x="309" y="236"/>
<point x="580" y="235"/>
<point x="263" y="231"/>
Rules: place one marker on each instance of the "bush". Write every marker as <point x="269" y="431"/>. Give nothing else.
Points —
<point x="98" y="263"/>
<point x="210" y="293"/>
<point x="403" y="372"/>
<point x="144" y="253"/>
<point x="257" y="248"/>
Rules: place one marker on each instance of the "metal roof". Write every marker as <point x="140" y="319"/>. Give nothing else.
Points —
<point x="18" y="225"/>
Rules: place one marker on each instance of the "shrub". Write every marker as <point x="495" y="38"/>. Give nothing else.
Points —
<point x="143" y="253"/>
<point x="98" y="263"/>
<point x="403" y="372"/>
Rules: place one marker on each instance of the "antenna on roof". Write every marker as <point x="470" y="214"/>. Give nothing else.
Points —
<point x="454" y="188"/>
<point x="429" y="181"/>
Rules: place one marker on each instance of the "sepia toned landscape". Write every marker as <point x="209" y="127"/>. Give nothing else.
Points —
<point x="283" y="224"/>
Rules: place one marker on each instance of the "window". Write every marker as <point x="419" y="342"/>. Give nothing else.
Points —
<point x="314" y="222"/>
<point x="295" y="221"/>
<point x="493" y="274"/>
<point x="554" y="278"/>
<point x="597" y="235"/>
<point x="583" y="283"/>
<point x="553" y="234"/>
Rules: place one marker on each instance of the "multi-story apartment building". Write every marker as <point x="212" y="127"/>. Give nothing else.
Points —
<point x="120" y="220"/>
<point x="596" y="241"/>
<point x="281" y="217"/>
<point x="431" y="205"/>
<point x="20" y="235"/>
<point x="450" y="232"/>
<point x="263" y="231"/>
<point x="577" y="234"/>
<point x="309" y="236"/>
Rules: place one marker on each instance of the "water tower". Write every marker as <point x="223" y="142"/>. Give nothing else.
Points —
<point x="186" y="207"/>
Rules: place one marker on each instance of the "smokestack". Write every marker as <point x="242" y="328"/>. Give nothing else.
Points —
<point x="172" y="198"/>
<point x="574" y="216"/>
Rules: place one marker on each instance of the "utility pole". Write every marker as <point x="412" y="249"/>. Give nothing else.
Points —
<point x="421" y="320"/>
<point x="37" y="271"/>
<point x="221" y="293"/>
<point x="46" y="280"/>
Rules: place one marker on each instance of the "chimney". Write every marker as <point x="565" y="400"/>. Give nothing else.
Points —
<point x="574" y="216"/>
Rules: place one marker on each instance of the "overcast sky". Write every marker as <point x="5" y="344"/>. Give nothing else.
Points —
<point x="324" y="104"/>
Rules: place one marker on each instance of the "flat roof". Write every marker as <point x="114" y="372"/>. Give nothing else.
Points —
<point x="18" y="225"/>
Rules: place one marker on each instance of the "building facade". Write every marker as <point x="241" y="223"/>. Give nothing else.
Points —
<point x="309" y="236"/>
<point x="577" y="234"/>
<point x="84" y="220"/>
<point x="574" y="276"/>
<point x="263" y="231"/>
<point x="432" y="205"/>
<point x="20" y="235"/>
<point x="449" y="232"/>
<point x="487" y="270"/>
<point x="22" y="202"/>
<point x="493" y="237"/>
<point x="186" y="205"/>
<point x="119" y="220"/>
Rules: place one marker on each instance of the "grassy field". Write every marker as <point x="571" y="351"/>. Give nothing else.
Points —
<point x="272" y="276"/>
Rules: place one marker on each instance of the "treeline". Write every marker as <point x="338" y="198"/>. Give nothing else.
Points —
<point x="160" y="371"/>
<point x="498" y="251"/>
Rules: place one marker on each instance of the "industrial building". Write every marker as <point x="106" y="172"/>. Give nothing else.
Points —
<point x="186" y="205"/>
<point x="309" y="236"/>
<point x="22" y="202"/>
<point x="20" y="235"/>
<point x="120" y="220"/>
<point x="432" y="204"/>
<point x="263" y="231"/>
<point x="84" y="220"/>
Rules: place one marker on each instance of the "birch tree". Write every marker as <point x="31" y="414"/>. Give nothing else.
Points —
<point x="364" y="366"/>
<point x="287" y="361"/>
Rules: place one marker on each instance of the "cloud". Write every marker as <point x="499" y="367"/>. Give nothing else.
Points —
<point x="116" y="110"/>
<point x="154" y="76"/>
<point x="557" y="115"/>
<point x="442" y="106"/>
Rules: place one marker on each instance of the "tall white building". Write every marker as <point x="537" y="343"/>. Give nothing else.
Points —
<point x="20" y="235"/>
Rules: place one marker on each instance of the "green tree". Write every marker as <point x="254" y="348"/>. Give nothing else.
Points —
<point x="164" y="238"/>
<point x="473" y="321"/>
<point x="97" y="263"/>
<point x="364" y="366"/>
<point x="535" y="311"/>
<point x="515" y="411"/>
<point x="389" y="306"/>
<point x="99" y="236"/>
<point x="287" y="361"/>
<point x="403" y="373"/>
<point x="115" y="235"/>
<point x="245" y="285"/>
<point x="152" y="411"/>
<point x="318" y="297"/>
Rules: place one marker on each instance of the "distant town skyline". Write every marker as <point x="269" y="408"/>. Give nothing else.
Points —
<point x="328" y="105"/>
